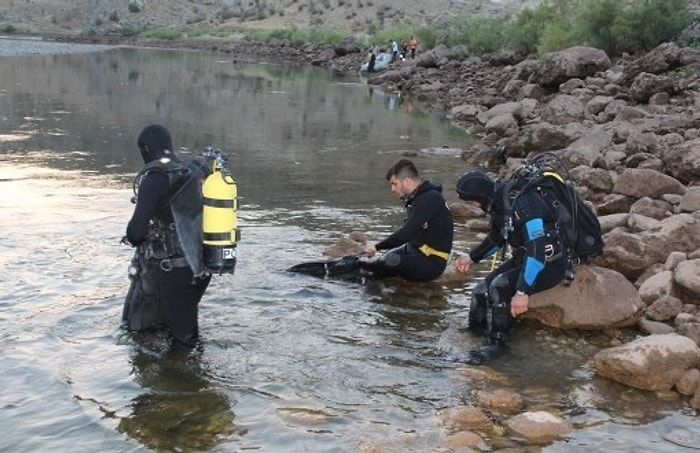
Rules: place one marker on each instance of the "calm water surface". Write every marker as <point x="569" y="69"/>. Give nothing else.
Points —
<point x="289" y="363"/>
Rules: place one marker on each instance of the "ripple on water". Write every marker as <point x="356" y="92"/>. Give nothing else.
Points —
<point x="289" y="363"/>
<point x="674" y="433"/>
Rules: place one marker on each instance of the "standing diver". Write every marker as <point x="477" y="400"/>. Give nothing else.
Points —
<point x="538" y="261"/>
<point x="421" y="247"/>
<point x="165" y="292"/>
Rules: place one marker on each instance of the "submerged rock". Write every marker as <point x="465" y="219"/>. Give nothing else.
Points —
<point x="655" y="362"/>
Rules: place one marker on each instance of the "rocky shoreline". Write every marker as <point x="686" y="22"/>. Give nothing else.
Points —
<point x="629" y="131"/>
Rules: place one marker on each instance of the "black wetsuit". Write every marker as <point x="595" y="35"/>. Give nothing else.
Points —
<point x="178" y="290"/>
<point x="421" y="247"/>
<point x="538" y="259"/>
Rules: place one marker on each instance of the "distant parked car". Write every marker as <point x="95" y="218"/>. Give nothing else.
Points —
<point x="382" y="62"/>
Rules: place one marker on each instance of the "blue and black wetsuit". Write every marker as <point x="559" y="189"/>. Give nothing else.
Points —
<point x="538" y="259"/>
<point x="420" y="249"/>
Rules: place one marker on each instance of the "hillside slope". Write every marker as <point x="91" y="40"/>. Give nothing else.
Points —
<point x="111" y="16"/>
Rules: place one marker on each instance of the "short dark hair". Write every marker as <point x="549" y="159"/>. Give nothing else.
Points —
<point x="402" y="168"/>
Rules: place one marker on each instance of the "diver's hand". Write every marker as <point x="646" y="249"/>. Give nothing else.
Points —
<point x="518" y="304"/>
<point x="463" y="264"/>
<point x="370" y="249"/>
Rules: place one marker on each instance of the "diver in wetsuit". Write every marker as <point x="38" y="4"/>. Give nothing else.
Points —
<point x="164" y="292"/>
<point x="538" y="261"/>
<point x="421" y="247"/>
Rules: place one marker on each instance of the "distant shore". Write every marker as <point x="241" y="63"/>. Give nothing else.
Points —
<point x="19" y="45"/>
<point x="280" y="50"/>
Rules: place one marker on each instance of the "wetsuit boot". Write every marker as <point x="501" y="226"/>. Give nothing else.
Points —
<point x="499" y="323"/>
<point x="477" y="310"/>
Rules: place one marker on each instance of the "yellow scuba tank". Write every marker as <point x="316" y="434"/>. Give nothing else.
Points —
<point x="219" y="216"/>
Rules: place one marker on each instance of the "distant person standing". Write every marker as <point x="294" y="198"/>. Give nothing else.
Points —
<point x="413" y="44"/>
<point x="394" y="50"/>
<point x="371" y="59"/>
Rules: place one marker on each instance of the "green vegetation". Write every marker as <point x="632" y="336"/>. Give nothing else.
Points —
<point x="179" y="33"/>
<point x="426" y="36"/>
<point x="615" y="26"/>
<point x="296" y="35"/>
<point x="382" y="35"/>
<point x="480" y="35"/>
<point x="11" y="29"/>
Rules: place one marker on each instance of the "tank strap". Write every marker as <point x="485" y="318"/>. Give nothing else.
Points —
<point x="226" y="236"/>
<point x="219" y="203"/>
<point x="429" y="251"/>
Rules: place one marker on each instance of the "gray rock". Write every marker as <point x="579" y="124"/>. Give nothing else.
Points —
<point x="598" y="298"/>
<point x="655" y="362"/>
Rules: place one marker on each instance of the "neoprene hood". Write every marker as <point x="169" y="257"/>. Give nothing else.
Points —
<point x="476" y="186"/>
<point x="154" y="142"/>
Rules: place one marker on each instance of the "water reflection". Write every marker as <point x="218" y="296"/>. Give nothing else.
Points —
<point x="286" y="125"/>
<point x="408" y="306"/>
<point x="392" y="101"/>
<point x="180" y="410"/>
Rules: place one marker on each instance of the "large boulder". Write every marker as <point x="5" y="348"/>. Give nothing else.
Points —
<point x="433" y="58"/>
<point x="590" y="147"/>
<point x="575" y="62"/>
<point x="464" y="112"/>
<point x="563" y="109"/>
<point x="632" y="253"/>
<point x="643" y="182"/>
<point x="661" y="59"/>
<point x="509" y="108"/>
<point x="596" y="179"/>
<point x="646" y="85"/>
<point x="691" y="200"/>
<point x="655" y="362"/>
<point x="683" y="161"/>
<point x="687" y="277"/>
<point x="658" y="285"/>
<point x="598" y="298"/>
<point x="538" y="137"/>
<point x="346" y="46"/>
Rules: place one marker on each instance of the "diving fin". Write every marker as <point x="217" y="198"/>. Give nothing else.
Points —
<point x="330" y="268"/>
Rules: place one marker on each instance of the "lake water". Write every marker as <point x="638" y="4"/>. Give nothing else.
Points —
<point x="289" y="363"/>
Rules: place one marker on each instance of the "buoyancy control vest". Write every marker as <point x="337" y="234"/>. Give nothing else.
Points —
<point x="203" y="201"/>
<point x="575" y="221"/>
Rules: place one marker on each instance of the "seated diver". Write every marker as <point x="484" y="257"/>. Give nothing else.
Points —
<point x="538" y="261"/>
<point x="420" y="248"/>
<point x="418" y="251"/>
